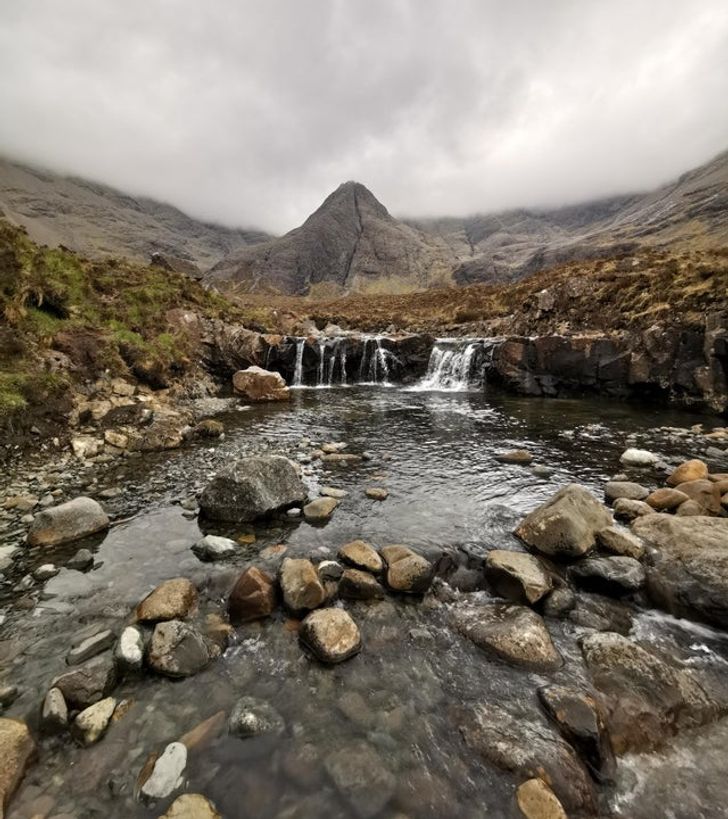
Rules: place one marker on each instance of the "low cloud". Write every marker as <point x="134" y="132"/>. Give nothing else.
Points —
<point x="249" y="113"/>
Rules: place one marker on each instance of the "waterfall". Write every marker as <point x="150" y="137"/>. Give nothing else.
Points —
<point x="322" y="362"/>
<point x="342" y="359"/>
<point x="374" y="367"/>
<point x="298" y="372"/>
<point x="338" y="354"/>
<point x="450" y="368"/>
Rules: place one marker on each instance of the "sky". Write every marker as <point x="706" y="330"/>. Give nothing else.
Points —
<point x="250" y="113"/>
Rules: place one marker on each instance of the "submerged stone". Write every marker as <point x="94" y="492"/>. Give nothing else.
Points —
<point x="66" y="522"/>
<point x="331" y="635"/>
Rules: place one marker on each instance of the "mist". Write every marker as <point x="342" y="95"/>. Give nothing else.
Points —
<point x="251" y="113"/>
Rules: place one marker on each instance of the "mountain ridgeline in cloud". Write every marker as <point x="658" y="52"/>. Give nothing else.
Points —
<point x="352" y="243"/>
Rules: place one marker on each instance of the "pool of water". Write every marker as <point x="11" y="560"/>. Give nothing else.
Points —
<point x="405" y="696"/>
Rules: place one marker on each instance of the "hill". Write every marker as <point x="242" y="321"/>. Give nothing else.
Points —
<point x="99" y="221"/>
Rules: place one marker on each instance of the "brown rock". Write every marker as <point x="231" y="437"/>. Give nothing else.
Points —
<point x="66" y="522"/>
<point x="705" y="493"/>
<point x="204" y="732"/>
<point x="300" y="584"/>
<point x="320" y="510"/>
<point x="620" y="542"/>
<point x="178" y="650"/>
<point x="689" y="509"/>
<point x="628" y="509"/>
<point x="361" y="555"/>
<point x="358" y="585"/>
<point x="517" y="576"/>
<point x="516" y="456"/>
<point x="258" y="385"/>
<point x="694" y="470"/>
<point x="17" y="750"/>
<point x="331" y="635"/>
<point x="406" y="570"/>
<point x="537" y="801"/>
<point x="665" y="499"/>
<point x="253" y="596"/>
<point x="377" y="493"/>
<point x="191" y="806"/>
<point x="174" y="599"/>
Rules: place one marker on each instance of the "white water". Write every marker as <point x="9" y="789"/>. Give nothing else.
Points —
<point x="374" y="367"/>
<point x="298" y="373"/>
<point x="450" y="368"/>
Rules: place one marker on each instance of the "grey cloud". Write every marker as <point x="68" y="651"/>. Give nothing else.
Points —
<point x="251" y="112"/>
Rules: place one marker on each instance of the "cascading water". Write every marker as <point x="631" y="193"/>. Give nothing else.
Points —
<point x="374" y="367"/>
<point x="451" y="367"/>
<point x="322" y="362"/>
<point x="298" y="372"/>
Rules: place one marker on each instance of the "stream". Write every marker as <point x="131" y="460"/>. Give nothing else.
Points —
<point x="434" y="451"/>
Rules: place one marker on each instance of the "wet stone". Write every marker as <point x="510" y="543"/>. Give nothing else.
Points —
<point x="361" y="555"/>
<point x="331" y="635"/>
<point x="177" y="649"/>
<point x="87" y="683"/>
<point x="252" y="597"/>
<point x="513" y="633"/>
<point x="362" y="778"/>
<point x="82" y="560"/>
<point x="17" y="750"/>
<point x="319" y="510"/>
<point x="517" y="576"/>
<point x="537" y="801"/>
<point x="358" y="585"/>
<point x="166" y="774"/>
<point x="90" y="647"/>
<point x="625" y="489"/>
<point x="212" y="547"/>
<point x="407" y="571"/>
<point x="300" y="585"/>
<point x="54" y="712"/>
<point x="91" y="724"/>
<point x="172" y="600"/>
<point x="129" y="652"/>
<point x="252" y="717"/>
<point x="191" y="806"/>
<point x="614" y="576"/>
<point x="620" y="542"/>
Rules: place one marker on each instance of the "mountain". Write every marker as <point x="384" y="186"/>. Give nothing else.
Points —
<point x="350" y="243"/>
<point x="98" y="221"/>
<point x="692" y="211"/>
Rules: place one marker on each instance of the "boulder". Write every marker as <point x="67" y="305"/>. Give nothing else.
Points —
<point x="528" y="748"/>
<point x="252" y="717"/>
<point x="620" y="542"/>
<point x="252" y="597"/>
<point x="647" y="699"/>
<point x="319" y="510"/>
<point x="358" y="585"/>
<point x="17" y="751"/>
<point x="88" y="683"/>
<point x="581" y="721"/>
<point x="251" y="488"/>
<point x="694" y="470"/>
<point x="559" y="602"/>
<point x="361" y="555"/>
<point x="613" y="576"/>
<point x="705" y="493"/>
<point x="517" y="576"/>
<point x="211" y="548"/>
<point x="362" y="778"/>
<point x="54" y="712"/>
<point x="257" y="385"/>
<point x="625" y="489"/>
<point x="566" y="525"/>
<point x="514" y="633"/>
<point x="177" y="650"/>
<point x="407" y="571"/>
<point x="665" y="499"/>
<point x="627" y="509"/>
<point x="129" y="652"/>
<point x="689" y="508"/>
<point x="91" y="724"/>
<point x="66" y="522"/>
<point x="688" y="573"/>
<point x="331" y="635"/>
<point x="537" y="801"/>
<point x="638" y="457"/>
<point x="191" y="806"/>
<point x="173" y="599"/>
<point x="209" y="428"/>
<point x="300" y="584"/>
<point x="162" y="778"/>
<point x="81" y="561"/>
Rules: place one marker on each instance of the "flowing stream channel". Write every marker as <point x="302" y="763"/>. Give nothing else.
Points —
<point x="402" y="697"/>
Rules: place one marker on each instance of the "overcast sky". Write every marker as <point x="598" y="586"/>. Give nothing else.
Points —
<point x="250" y="113"/>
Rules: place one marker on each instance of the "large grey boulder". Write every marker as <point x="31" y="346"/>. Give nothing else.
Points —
<point x="566" y="525"/>
<point x="614" y="576"/>
<point x="251" y="488"/>
<point x="178" y="650"/>
<point x="687" y="571"/>
<point x="68" y="521"/>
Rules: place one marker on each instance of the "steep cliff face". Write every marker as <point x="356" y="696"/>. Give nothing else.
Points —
<point x="351" y="243"/>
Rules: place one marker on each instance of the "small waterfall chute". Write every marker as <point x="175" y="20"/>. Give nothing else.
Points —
<point x="452" y="366"/>
<point x="298" y="370"/>
<point x="375" y="362"/>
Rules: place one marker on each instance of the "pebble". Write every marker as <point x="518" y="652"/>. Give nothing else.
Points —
<point x="91" y="724"/>
<point x="129" y="652"/>
<point x="166" y="775"/>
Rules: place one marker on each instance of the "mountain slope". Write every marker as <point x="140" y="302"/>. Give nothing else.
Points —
<point x="98" y="221"/>
<point x="350" y="243"/>
<point x="692" y="211"/>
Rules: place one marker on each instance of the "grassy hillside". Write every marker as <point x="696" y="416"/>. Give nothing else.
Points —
<point x="632" y="291"/>
<point x="89" y="316"/>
